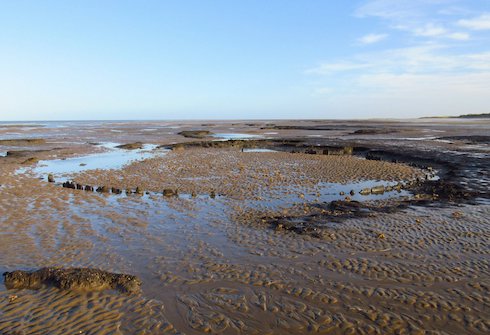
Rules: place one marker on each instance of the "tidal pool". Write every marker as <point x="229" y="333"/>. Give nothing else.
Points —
<point x="236" y="136"/>
<point x="258" y="150"/>
<point x="115" y="158"/>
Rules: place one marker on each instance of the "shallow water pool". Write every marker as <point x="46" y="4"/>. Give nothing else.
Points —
<point x="236" y="136"/>
<point x="258" y="150"/>
<point x="115" y="158"/>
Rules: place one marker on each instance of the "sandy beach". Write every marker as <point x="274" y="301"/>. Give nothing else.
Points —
<point x="294" y="238"/>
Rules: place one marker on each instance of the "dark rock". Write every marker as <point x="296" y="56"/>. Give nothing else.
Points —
<point x="380" y="189"/>
<point x="178" y="147"/>
<point x="169" y="192"/>
<point x="102" y="189"/>
<point x="373" y="131"/>
<point x="481" y="139"/>
<point x="372" y="157"/>
<point x="131" y="146"/>
<point x="339" y="151"/>
<point x="30" y="160"/>
<point x="69" y="184"/>
<point x="23" y="141"/>
<point x="444" y="191"/>
<point x="195" y="133"/>
<point x="51" y="178"/>
<point x="115" y="190"/>
<point x="72" y="279"/>
<point x="365" y="191"/>
<point x="25" y="153"/>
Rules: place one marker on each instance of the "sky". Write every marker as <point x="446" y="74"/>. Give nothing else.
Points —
<point x="236" y="59"/>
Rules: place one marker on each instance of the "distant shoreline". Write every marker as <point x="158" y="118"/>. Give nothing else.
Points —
<point x="39" y="123"/>
<point x="464" y="116"/>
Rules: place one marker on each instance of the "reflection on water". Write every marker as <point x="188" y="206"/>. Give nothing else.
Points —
<point x="258" y="150"/>
<point x="328" y="192"/>
<point x="236" y="136"/>
<point x="115" y="158"/>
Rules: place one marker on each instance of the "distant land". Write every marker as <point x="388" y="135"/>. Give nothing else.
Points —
<point x="474" y="116"/>
<point x="464" y="116"/>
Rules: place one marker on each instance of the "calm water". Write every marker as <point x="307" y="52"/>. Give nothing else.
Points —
<point x="115" y="158"/>
<point x="236" y="136"/>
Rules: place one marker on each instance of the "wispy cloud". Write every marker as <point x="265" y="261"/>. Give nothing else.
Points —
<point x="430" y="30"/>
<point x="435" y="68"/>
<point x="394" y="10"/>
<point x="459" y="36"/>
<point x="422" y="59"/>
<point x="329" y="68"/>
<point x="428" y="78"/>
<point x="481" y="22"/>
<point x="372" y="38"/>
<point x="437" y="31"/>
<point x="394" y="95"/>
<point x="425" y="19"/>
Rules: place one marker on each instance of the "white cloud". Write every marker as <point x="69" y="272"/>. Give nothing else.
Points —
<point x="431" y="75"/>
<point x="389" y="9"/>
<point x="372" y="38"/>
<point x="393" y="95"/>
<point x="481" y="22"/>
<point x="459" y="36"/>
<point x="328" y="68"/>
<point x="421" y="80"/>
<point x="424" y="18"/>
<point x="424" y="58"/>
<point x="430" y="30"/>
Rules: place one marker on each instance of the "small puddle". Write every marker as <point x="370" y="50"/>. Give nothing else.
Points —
<point x="258" y="150"/>
<point x="328" y="192"/>
<point x="115" y="158"/>
<point x="236" y="136"/>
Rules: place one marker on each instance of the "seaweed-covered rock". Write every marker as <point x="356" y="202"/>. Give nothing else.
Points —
<point x="23" y="141"/>
<point x="31" y="160"/>
<point x="131" y="146"/>
<point x="196" y="133"/>
<point x="72" y="279"/>
<point x="169" y="192"/>
<point x="379" y="189"/>
<point x="69" y="184"/>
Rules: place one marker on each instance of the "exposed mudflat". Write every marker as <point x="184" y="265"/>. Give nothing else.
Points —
<point x="252" y="242"/>
<point x="245" y="175"/>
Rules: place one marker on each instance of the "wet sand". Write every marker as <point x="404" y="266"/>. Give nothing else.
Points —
<point x="215" y="265"/>
<point x="244" y="175"/>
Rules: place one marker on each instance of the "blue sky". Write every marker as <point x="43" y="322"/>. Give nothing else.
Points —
<point x="251" y="59"/>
